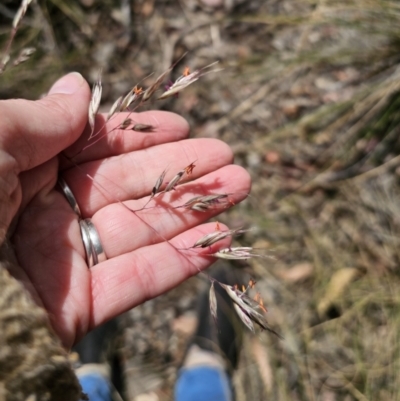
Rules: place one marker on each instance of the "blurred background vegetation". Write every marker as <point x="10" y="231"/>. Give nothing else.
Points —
<point x="309" y="100"/>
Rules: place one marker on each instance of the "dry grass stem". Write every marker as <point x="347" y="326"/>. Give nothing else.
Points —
<point x="20" y="13"/>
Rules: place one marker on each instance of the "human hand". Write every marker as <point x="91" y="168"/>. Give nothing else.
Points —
<point x="125" y="165"/>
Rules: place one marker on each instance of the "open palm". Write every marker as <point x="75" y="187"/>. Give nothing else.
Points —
<point x="143" y="259"/>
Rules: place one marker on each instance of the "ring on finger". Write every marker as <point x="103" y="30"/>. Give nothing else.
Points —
<point x="91" y="241"/>
<point x="69" y="195"/>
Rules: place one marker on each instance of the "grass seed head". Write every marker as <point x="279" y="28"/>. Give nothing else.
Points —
<point x="244" y="317"/>
<point x="158" y="184"/>
<point x="239" y="253"/>
<point x="204" y="203"/>
<point x="4" y="61"/>
<point x="116" y="107"/>
<point x="150" y="90"/>
<point x="249" y="307"/>
<point x="143" y="128"/>
<point x="212" y="238"/>
<point x="134" y="95"/>
<point x="199" y="207"/>
<point x="94" y="104"/>
<point x="174" y="182"/>
<point x="213" y="302"/>
<point x="24" y="55"/>
<point x="185" y="80"/>
<point x="125" y="124"/>
<point x="20" y="13"/>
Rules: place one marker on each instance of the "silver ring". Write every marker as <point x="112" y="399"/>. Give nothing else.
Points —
<point x="91" y="241"/>
<point x="69" y="195"/>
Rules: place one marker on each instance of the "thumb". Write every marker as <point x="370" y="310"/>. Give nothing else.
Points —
<point x="33" y="132"/>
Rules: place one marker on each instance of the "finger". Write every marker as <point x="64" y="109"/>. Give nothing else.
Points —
<point x="133" y="175"/>
<point x="123" y="231"/>
<point x="35" y="131"/>
<point x="167" y="127"/>
<point x="123" y="282"/>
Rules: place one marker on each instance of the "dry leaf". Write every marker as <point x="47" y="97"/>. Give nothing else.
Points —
<point x="297" y="273"/>
<point x="340" y="280"/>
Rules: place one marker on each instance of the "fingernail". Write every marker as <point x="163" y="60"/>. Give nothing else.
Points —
<point x="68" y="84"/>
